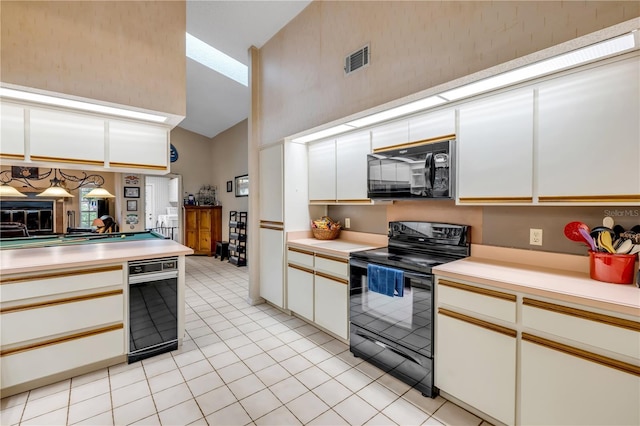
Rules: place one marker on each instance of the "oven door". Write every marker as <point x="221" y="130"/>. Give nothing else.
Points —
<point x="406" y="320"/>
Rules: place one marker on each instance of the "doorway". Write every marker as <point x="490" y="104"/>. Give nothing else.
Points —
<point x="162" y="204"/>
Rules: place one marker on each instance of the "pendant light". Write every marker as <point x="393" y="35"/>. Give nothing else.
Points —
<point x="99" y="193"/>
<point x="55" y="190"/>
<point x="10" y="191"/>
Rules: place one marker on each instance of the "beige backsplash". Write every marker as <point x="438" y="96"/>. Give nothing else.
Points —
<point x="502" y="226"/>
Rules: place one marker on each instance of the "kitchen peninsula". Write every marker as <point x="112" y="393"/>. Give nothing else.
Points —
<point x="64" y="308"/>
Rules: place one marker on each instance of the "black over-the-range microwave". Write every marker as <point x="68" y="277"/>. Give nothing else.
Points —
<point x="415" y="171"/>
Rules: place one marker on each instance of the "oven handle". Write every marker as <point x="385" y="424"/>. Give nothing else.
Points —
<point x="392" y="349"/>
<point x="410" y="274"/>
<point x="157" y="276"/>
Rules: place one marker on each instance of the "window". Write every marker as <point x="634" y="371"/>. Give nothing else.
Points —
<point x="88" y="209"/>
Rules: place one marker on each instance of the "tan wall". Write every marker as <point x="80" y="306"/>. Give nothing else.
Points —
<point x="126" y="52"/>
<point x="229" y="159"/>
<point x="194" y="159"/>
<point x="414" y="45"/>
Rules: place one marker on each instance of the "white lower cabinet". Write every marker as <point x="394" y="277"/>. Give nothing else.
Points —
<point x="561" y="389"/>
<point x="271" y="266"/>
<point x="318" y="289"/>
<point x="331" y="299"/>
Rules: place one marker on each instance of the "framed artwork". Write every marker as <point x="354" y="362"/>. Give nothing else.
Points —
<point x="132" y="205"/>
<point x="229" y="186"/>
<point x="131" y="192"/>
<point x="242" y="186"/>
<point x="24" y="172"/>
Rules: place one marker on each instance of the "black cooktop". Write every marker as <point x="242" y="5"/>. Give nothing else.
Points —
<point x="420" y="246"/>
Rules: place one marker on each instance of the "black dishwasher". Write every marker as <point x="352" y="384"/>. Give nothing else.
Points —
<point x="153" y="307"/>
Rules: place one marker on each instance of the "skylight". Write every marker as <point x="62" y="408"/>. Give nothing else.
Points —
<point x="212" y="58"/>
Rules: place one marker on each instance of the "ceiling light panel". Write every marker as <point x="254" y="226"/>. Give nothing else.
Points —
<point x="214" y="59"/>
<point x="397" y="111"/>
<point x="324" y="133"/>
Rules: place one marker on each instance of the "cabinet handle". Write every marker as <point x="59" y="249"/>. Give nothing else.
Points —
<point x="416" y="143"/>
<point x="332" y="278"/>
<point x="580" y="353"/>
<point x="60" y="301"/>
<point x="300" y="268"/>
<point x="136" y="165"/>
<point x="297" y="250"/>
<point x="275" y="228"/>
<point x="67" y="160"/>
<point x="496" y="199"/>
<point x="478" y="290"/>
<point x="623" y="198"/>
<point x="480" y="323"/>
<point x="12" y="156"/>
<point x="271" y="222"/>
<point x="60" y="274"/>
<point x="579" y="313"/>
<point x="335" y="259"/>
<point x="62" y="339"/>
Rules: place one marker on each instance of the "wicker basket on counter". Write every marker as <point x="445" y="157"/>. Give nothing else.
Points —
<point x="325" y="234"/>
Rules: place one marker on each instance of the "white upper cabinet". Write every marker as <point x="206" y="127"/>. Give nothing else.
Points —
<point x="138" y="145"/>
<point x="495" y="149"/>
<point x="65" y="136"/>
<point x="11" y="131"/>
<point x="351" y="166"/>
<point x="390" y="134"/>
<point x="432" y="125"/>
<point x="322" y="171"/>
<point x="271" y="184"/>
<point x="588" y="135"/>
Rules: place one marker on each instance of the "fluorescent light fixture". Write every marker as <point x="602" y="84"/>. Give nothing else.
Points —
<point x="397" y="111"/>
<point x="212" y="58"/>
<point x="80" y="105"/>
<point x="567" y="60"/>
<point x="324" y="133"/>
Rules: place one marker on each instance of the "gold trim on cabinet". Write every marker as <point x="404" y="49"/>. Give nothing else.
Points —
<point x="355" y="201"/>
<point x="297" y="250"/>
<point x="415" y="143"/>
<point x="496" y="199"/>
<point x="623" y="198"/>
<point x="480" y="323"/>
<point x="332" y="278"/>
<point x="10" y="280"/>
<point x="271" y="222"/>
<point x="60" y="301"/>
<point x="580" y="353"/>
<point x="478" y="290"/>
<point x="275" y="228"/>
<point x="300" y="268"/>
<point x="322" y="201"/>
<point x="579" y="313"/>
<point x="336" y="259"/>
<point x="136" y="165"/>
<point x="67" y="160"/>
<point x="58" y="340"/>
<point x="12" y="156"/>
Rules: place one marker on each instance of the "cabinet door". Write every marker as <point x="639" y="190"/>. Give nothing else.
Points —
<point x="495" y="149"/>
<point x="432" y="125"/>
<point x="134" y="145"/>
<point x="11" y="131"/>
<point x="66" y="136"/>
<point x="322" y="171"/>
<point x="390" y="134"/>
<point x="477" y="365"/>
<point x="271" y="184"/>
<point x="588" y="134"/>
<point x="191" y="228"/>
<point x="272" y="266"/>
<point x="331" y="299"/>
<point x="300" y="291"/>
<point x="351" y="166"/>
<point x="561" y="389"/>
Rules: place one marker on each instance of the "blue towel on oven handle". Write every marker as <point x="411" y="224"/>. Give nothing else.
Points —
<point x="387" y="281"/>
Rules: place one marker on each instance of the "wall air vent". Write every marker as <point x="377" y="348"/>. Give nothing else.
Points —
<point x="356" y="60"/>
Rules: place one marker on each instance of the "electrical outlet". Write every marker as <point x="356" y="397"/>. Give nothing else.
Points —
<point x="535" y="237"/>
<point x="347" y="223"/>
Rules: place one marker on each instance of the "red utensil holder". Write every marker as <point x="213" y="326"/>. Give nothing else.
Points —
<point x="612" y="268"/>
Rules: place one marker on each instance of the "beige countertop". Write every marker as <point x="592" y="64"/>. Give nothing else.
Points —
<point x="569" y="286"/>
<point x="341" y="247"/>
<point x="82" y="255"/>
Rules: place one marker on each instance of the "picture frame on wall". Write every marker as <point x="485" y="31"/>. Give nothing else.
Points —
<point x="25" y="172"/>
<point x="131" y="192"/>
<point x="132" y="205"/>
<point x="242" y="186"/>
<point x="229" y="186"/>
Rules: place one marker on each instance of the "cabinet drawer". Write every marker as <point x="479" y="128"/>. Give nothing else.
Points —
<point x="17" y="288"/>
<point x="332" y="265"/>
<point x="491" y="303"/>
<point x="603" y="331"/>
<point x="31" y="364"/>
<point x="50" y="319"/>
<point x="300" y="257"/>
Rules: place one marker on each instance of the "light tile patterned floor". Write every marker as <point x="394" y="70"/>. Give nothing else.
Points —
<point x="239" y="365"/>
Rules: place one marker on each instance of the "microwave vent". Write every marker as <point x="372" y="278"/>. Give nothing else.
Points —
<point x="356" y="60"/>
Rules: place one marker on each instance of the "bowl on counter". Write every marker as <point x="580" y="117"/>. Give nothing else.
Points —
<point x="612" y="268"/>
